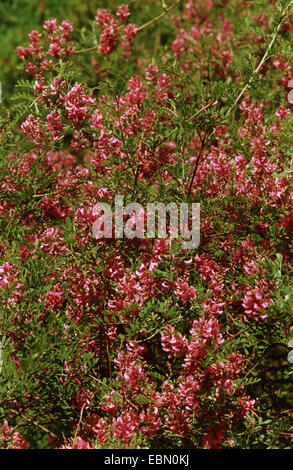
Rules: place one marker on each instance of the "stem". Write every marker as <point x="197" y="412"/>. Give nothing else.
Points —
<point x="198" y="112"/>
<point x="122" y="134"/>
<point x="109" y="359"/>
<point x="78" y="425"/>
<point x="254" y="73"/>
<point x="39" y="425"/>
<point x="231" y="339"/>
<point x="135" y="178"/>
<point x="166" y="10"/>
<point x="141" y="28"/>
<point x="88" y="49"/>
<point x="196" y="164"/>
<point x="1" y="360"/>
<point x="264" y="58"/>
<point x="115" y="391"/>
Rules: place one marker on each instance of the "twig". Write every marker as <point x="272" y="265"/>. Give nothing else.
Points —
<point x="113" y="390"/>
<point x="135" y="179"/>
<point x="122" y="132"/>
<point x="231" y="339"/>
<point x="166" y="10"/>
<point x="239" y="96"/>
<point x="30" y="420"/>
<point x="109" y="359"/>
<point x="78" y="425"/>
<point x="88" y="49"/>
<point x="196" y="164"/>
<point x="141" y="28"/>
<point x="264" y="58"/>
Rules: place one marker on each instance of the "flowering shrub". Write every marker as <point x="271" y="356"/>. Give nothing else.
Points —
<point x="134" y="343"/>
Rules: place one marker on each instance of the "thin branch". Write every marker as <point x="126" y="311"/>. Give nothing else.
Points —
<point x="135" y="178"/>
<point x="113" y="390"/>
<point x="252" y="77"/>
<point x="141" y="28"/>
<point x="78" y="425"/>
<point x="109" y="359"/>
<point x="166" y="10"/>
<point x="88" y="49"/>
<point x="264" y="58"/>
<point x="196" y="164"/>
<point x="122" y="132"/>
<point x="231" y="339"/>
<point x="39" y="425"/>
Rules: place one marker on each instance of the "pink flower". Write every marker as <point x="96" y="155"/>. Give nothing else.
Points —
<point x="173" y="342"/>
<point x="55" y="297"/>
<point x="54" y="124"/>
<point x="255" y="302"/>
<point x="103" y="17"/>
<point x="178" y="47"/>
<point x="151" y="73"/>
<point x="34" y="37"/>
<point x="50" y="26"/>
<point x="96" y="119"/>
<point x="79" y="443"/>
<point x="184" y="291"/>
<point x="130" y="31"/>
<point x="124" y="426"/>
<point x="32" y="128"/>
<point x="77" y="103"/>
<point x="123" y="12"/>
<point x="150" y="421"/>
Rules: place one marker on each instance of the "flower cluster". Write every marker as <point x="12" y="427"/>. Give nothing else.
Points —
<point x="11" y="439"/>
<point x="115" y="31"/>
<point x="58" y="44"/>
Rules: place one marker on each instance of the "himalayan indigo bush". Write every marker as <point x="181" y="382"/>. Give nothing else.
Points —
<point x="139" y="342"/>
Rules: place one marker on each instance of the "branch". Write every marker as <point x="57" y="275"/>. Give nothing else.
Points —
<point x="78" y="425"/>
<point x="263" y="60"/>
<point x="230" y="339"/>
<point x="253" y="75"/>
<point x="196" y="164"/>
<point x="141" y="28"/>
<point x="166" y="10"/>
<point x="113" y="390"/>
